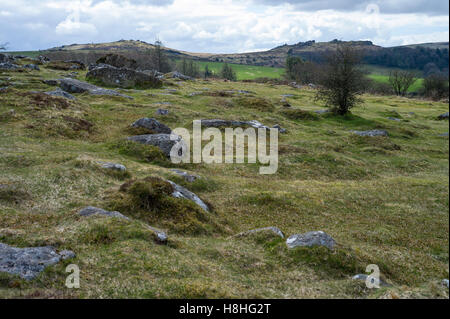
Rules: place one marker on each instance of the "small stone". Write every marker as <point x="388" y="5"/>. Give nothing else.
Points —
<point x="181" y="192"/>
<point x="271" y="229"/>
<point x="61" y="93"/>
<point x="90" y="210"/>
<point x="67" y="254"/>
<point x="371" y="133"/>
<point x="443" y="116"/>
<point x="445" y="283"/>
<point x="280" y="129"/>
<point x="114" y="166"/>
<point x="310" y="239"/>
<point x="322" y="111"/>
<point x="187" y="177"/>
<point x="394" y="119"/>
<point x="161" y="112"/>
<point x="152" y="125"/>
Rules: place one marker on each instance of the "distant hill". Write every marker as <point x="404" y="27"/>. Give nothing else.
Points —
<point x="415" y="56"/>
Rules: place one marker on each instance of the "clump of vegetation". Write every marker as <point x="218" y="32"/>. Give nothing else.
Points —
<point x="140" y="151"/>
<point x="401" y="81"/>
<point x="228" y="73"/>
<point x="256" y="103"/>
<point x="44" y="101"/>
<point x="190" y="68"/>
<point x="13" y="193"/>
<point x="302" y="71"/>
<point x="298" y="114"/>
<point x="149" y="199"/>
<point x="342" y="81"/>
<point x="436" y="86"/>
<point x="379" y="142"/>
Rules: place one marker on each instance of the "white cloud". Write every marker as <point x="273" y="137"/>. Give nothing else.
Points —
<point x="215" y="26"/>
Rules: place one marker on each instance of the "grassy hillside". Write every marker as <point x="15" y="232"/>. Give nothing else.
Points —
<point x="384" y="199"/>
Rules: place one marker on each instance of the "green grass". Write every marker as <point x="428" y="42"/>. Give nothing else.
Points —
<point x="243" y="72"/>
<point x="417" y="85"/>
<point x="384" y="200"/>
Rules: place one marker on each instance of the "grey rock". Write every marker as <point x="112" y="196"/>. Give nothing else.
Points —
<point x="76" y="65"/>
<point x="310" y="239"/>
<point x="43" y="59"/>
<point x="187" y="177"/>
<point x="295" y="85"/>
<point x="90" y="210"/>
<point x="280" y="129"/>
<point x="444" y="134"/>
<point x="162" y="141"/>
<point x="445" y="282"/>
<point x="178" y="75"/>
<point x="287" y="95"/>
<point x="394" y="119"/>
<point x="160" y="236"/>
<point x="195" y="93"/>
<point x="9" y="66"/>
<point x="363" y="277"/>
<point x="6" y="58"/>
<point x="51" y="82"/>
<point x="4" y="89"/>
<point x="123" y="77"/>
<point x="371" y="133"/>
<point x="322" y="111"/>
<point x="76" y="86"/>
<point x="114" y="166"/>
<point x="28" y="262"/>
<point x="181" y="192"/>
<point x="61" y="93"/>
<point x="153" y="125"/>
<point x="67" y="254"/>
<point x="443" y="116"/>
<point x="161" y="112"/>
<point x="271" y="229"/>
<point x="32" y="67"/>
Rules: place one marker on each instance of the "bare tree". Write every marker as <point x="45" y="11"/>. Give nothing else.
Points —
<point x="3" y="46"/>
<point x="159" y="58"/>
<point x="401" y="81"/>
<point x="342" y="80"/>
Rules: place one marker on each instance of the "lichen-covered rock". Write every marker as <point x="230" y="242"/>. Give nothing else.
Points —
<point x="9" y="66"/>
<point x="161" y="112"/>
<point x="279" y="128"/>
<point x="187" y="177"/>
<point x="90" y="210"/>
<point x="76" y="86"/>
<point x="29" y="262"/>
<point x="371" y="133"/>
<point x="114" y="166"/>
<point x="162" y="141"/>
<point x="51" y="82"/>
<point x="153" y="125"/>
<point x="61" y="93"/>
<point x="310" y="239"/>
<point x="32" y="67"/>
<point x="181" y="192"/>
<point x="123" y="77"/>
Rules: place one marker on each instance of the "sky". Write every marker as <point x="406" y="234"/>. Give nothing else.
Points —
<point x="221" y="26"/>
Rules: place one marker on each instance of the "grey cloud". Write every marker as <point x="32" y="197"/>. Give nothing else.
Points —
<point x="437" y="7"/>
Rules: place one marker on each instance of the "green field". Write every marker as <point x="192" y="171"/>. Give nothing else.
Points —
<point x="244" y="72"/>
<point x="385" y="79"/>
<point x="383" y="199"/>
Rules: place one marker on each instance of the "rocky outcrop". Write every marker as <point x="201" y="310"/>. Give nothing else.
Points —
<point x="371" y="133"/>
<point x="118" y="61"/>
<point x="123" y="77"/>
<point x="76" y="86"/>
<point x="311" y="239"/>
<point x="153" y="125"/>
<point x="177" y="75"/>
<point x="32" y="67"/>
<point x="9" y="66"/>
<point x="90" y="210"/>
<point x="29" y="262"/>
<point x="162" y="141"/>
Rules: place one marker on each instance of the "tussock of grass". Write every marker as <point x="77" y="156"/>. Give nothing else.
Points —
<point x="150" y="200"/>
<point x="297" y="114"/>
<point x="256" y="103"/>
<point x="139" y="151"/>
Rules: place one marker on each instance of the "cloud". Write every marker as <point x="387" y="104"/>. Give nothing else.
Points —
<point x="216" y="26"/>
<point x="386" y="6"/>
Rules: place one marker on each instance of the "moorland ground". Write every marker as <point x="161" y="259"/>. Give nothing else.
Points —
<point x="383" y="199"/>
